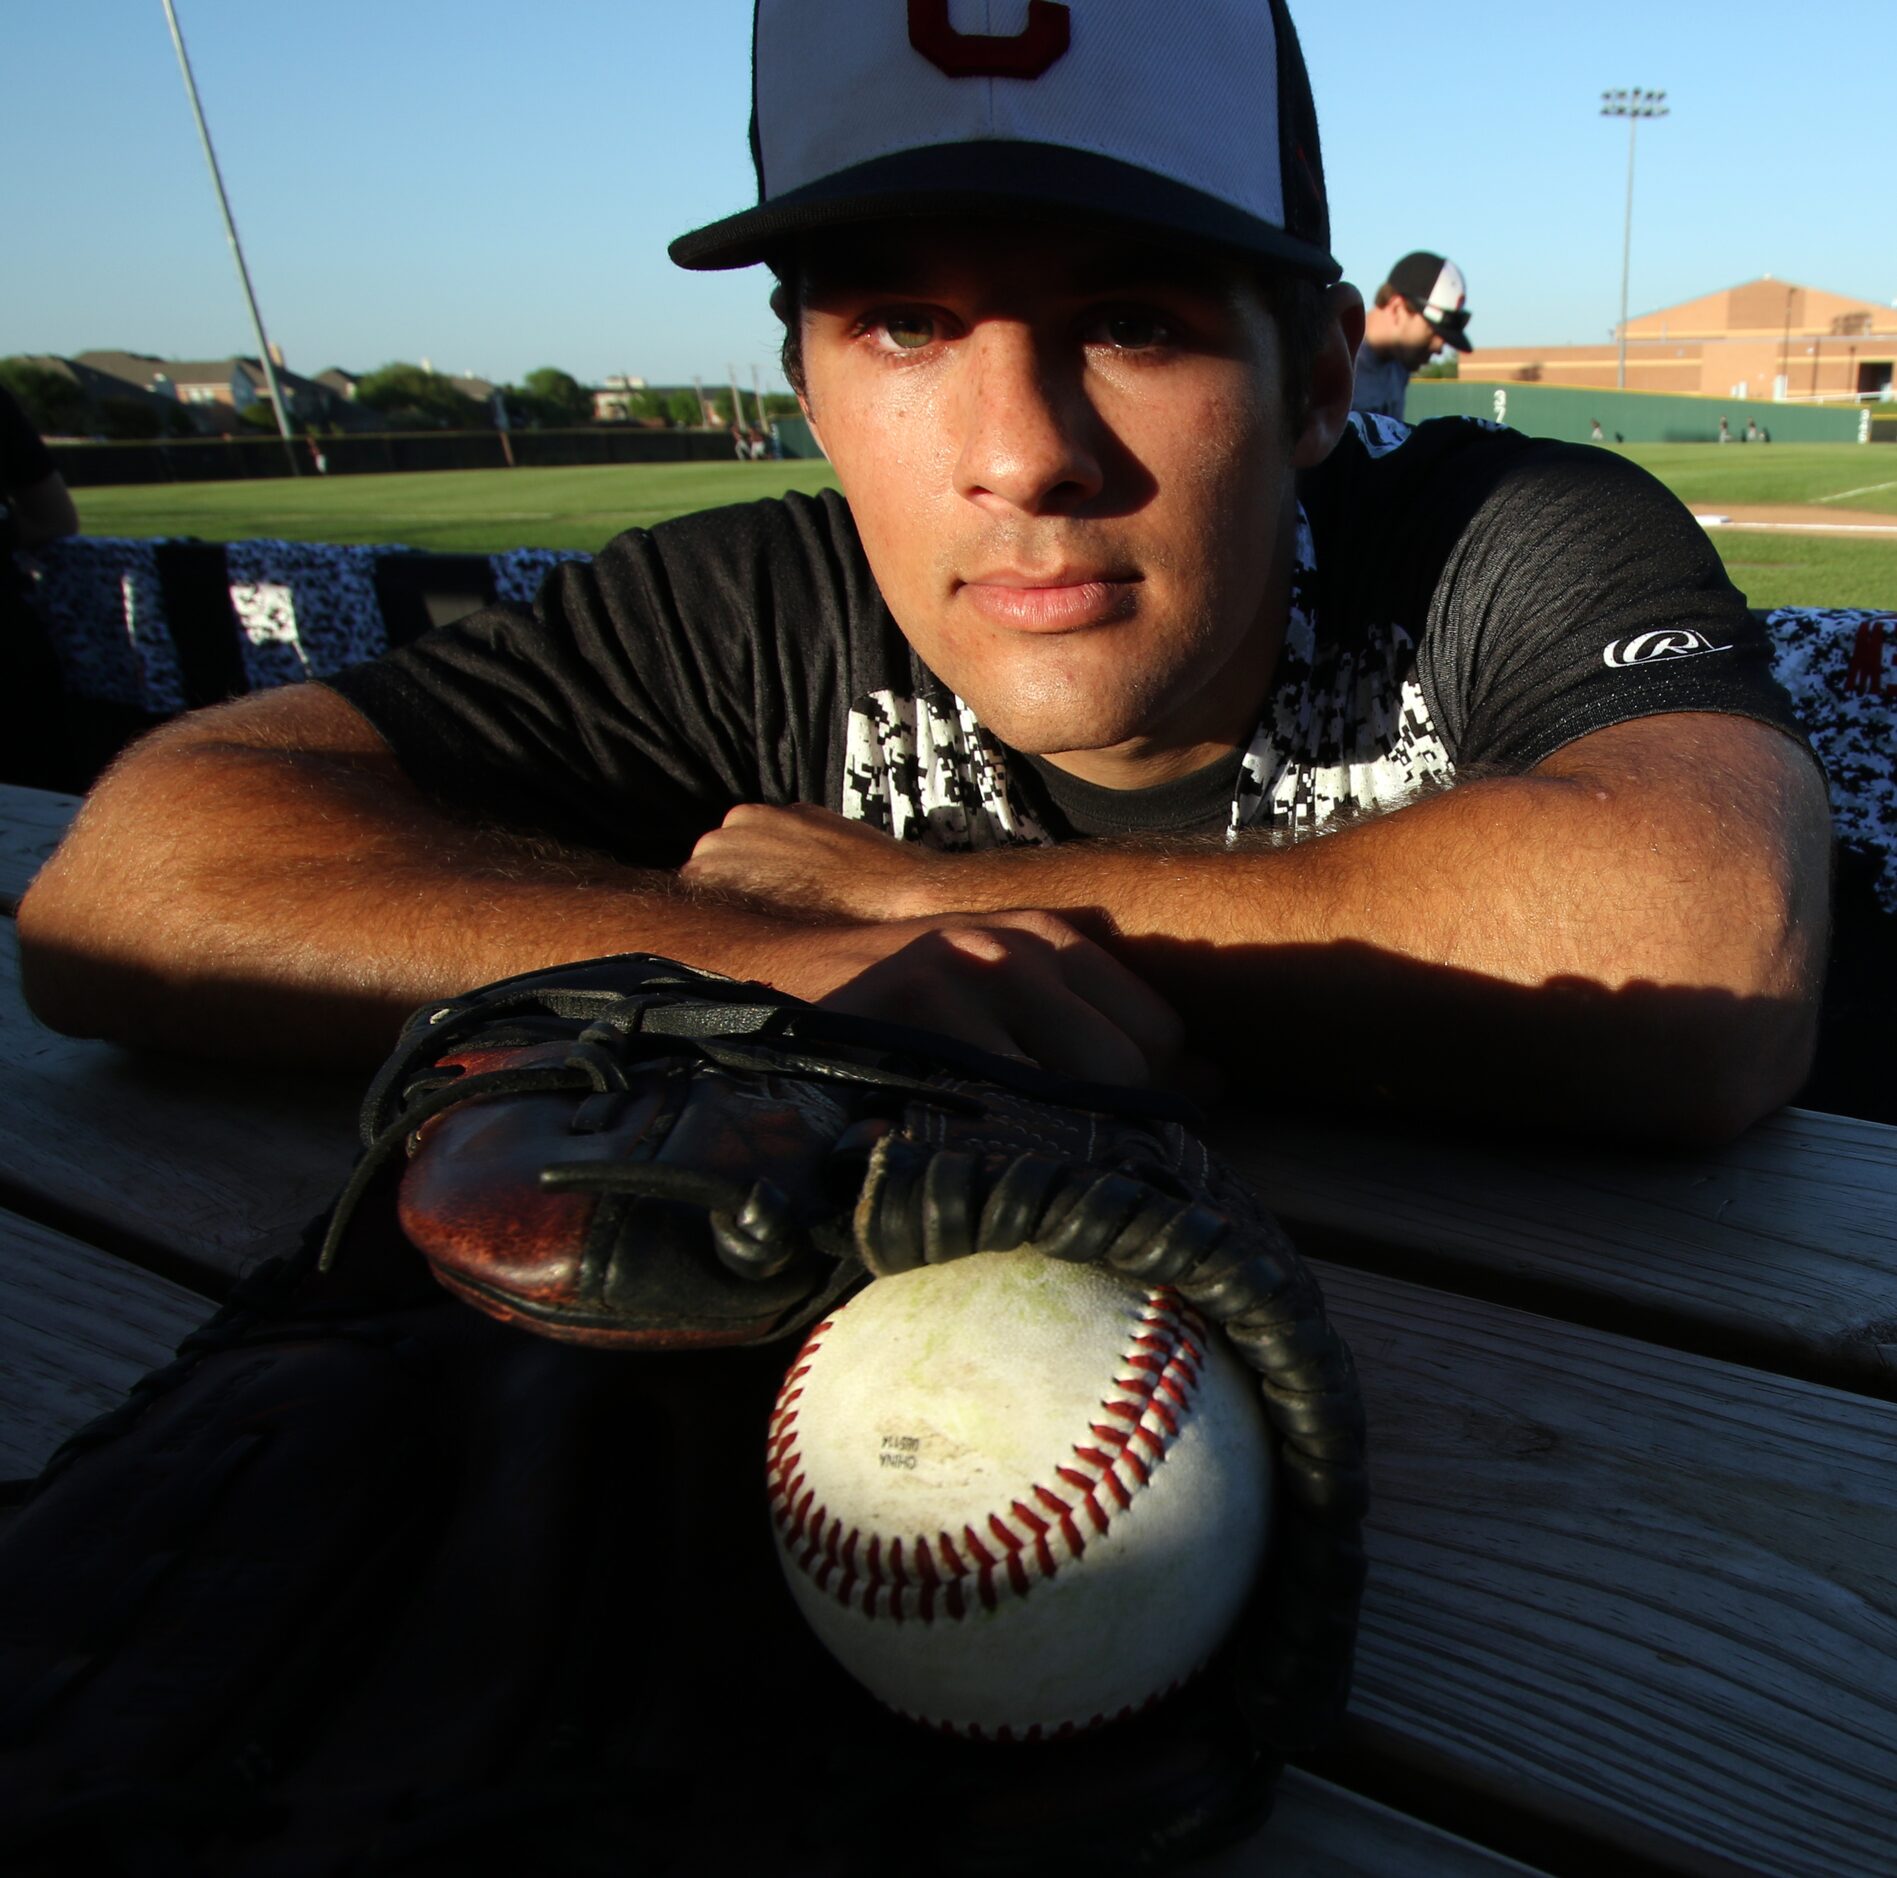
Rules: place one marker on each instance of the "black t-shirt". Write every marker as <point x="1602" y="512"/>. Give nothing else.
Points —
<point x="1463" y="597"/>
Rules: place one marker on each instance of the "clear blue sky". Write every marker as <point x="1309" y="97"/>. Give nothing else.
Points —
<point x="491" y="186"/>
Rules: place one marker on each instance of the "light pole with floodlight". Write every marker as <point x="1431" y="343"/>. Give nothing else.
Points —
<point x="1633" y="106"/>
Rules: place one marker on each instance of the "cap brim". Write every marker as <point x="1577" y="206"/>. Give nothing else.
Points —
<point x="1450" y="331"/>
<point x="992" y="179"/>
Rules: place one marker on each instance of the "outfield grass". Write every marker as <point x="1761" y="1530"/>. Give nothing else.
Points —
<point x="484" y="511"/>
<point x="1809" y="570"/>
<point x="473" y="511"/>
<point x="1844" y="475"/>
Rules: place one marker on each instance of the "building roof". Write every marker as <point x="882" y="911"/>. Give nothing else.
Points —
<point x="1766" y="307"/>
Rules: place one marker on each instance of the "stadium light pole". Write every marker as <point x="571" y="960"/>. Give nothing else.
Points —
<point x="1633" y="106"/>
<point x="230" y="230"/>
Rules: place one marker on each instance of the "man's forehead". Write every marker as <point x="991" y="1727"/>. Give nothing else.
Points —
<point x="1063" y="253"/>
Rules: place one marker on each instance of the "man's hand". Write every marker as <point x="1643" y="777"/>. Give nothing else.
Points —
<point x="810" y="860"/>
<point x="1019" y="984"/>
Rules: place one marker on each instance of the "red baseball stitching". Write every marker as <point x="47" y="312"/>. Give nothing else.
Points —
<point x="1028" y="1541"/>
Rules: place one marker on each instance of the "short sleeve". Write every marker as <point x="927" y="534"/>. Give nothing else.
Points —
<point x="684" y="669"/>
<point x="1581" y="593"/>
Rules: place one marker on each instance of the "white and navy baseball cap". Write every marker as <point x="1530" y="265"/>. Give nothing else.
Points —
<point x="1436" y="289"/>
<point x="1197" y="121"/>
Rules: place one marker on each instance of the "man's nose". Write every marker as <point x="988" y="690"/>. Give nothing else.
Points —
<point x="1031" y="438"/>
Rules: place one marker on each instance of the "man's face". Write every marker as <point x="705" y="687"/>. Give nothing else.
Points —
<point x="1069" y="459"/>
<point x="1417" y="341"/>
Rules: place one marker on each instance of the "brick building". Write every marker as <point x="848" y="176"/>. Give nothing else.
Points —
<point x="1767" y="339"/>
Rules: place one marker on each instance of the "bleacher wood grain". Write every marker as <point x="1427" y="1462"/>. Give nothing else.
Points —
<point x="77" y="1329"/>
<point x="175" y="1164"/>
<point x="1643" y="1594"/>
<point x="1776" y="1248"/>
<point x="31" y="824"/>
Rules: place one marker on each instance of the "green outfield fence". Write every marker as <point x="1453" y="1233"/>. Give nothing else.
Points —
<point x="1637" y="416"/>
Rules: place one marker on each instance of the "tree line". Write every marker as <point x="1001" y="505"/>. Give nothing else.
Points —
<point x="404" y="396"/>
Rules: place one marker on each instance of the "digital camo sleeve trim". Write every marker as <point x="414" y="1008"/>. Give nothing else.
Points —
<point x="1347" y="731"/>
<point x="924" y="774"/>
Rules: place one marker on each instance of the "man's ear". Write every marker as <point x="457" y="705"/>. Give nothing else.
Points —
<point x="1333" y="376"/>
<point x="810" y="418"/>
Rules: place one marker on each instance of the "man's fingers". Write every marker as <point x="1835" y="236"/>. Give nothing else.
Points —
<point x="1023" y="985"/>
<point x="802" y="859"/>
<point x="1124" y="998"/>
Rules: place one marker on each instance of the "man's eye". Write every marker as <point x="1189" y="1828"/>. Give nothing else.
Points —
<point x="1129" y="332"/>
<point x="908" y="332"/>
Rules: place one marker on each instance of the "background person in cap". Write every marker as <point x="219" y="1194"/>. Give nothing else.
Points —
<point x="1026" y="734"/>
<point x="1421" y="308"/>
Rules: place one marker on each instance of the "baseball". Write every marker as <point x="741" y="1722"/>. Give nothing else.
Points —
<point x="1015" y="1497"/>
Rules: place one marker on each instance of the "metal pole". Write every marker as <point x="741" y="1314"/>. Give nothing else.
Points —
<point x="1627" y="250"/>
<point x="237" y="251"/>
<point x="1633" y="106"/>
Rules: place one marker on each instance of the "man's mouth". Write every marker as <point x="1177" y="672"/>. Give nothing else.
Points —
<point x="1061" y="600"/>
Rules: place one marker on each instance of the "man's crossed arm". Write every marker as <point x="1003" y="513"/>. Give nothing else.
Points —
<point x="1630" y="939"/>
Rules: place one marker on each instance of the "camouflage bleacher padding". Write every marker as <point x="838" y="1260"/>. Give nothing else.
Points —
<point x="304" y="608"/>
<point x="519" y="572"/>
<point x="1840" y="666"/>
<point x="104" y="609"/>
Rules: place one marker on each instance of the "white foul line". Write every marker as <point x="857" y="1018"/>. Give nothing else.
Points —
<point x="1844" y="495"/>
<point x="1798" y="528"/>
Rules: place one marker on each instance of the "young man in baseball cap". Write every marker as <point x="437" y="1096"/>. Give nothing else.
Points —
<point x="1026" y="734"/>
<point x="1420" y="309"/>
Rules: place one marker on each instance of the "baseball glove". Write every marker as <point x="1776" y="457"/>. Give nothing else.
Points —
<point x="366" y="1581"/>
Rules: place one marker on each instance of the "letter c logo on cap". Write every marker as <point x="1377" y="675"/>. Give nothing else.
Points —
<point x="1026" y="54"/>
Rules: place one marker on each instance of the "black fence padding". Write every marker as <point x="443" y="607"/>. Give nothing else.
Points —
<point x="417" y="591"/>
<point x="196" y="583"/>
<point x="1857" y="1026"/>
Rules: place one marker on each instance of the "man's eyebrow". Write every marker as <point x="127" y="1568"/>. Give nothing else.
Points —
<point x="1149" y="270"/>
<point x="1133" y="271"/>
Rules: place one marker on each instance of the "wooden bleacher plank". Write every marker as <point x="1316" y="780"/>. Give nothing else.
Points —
<point x="1318" y="1830"/>
<point x="77" y="1328"/>
<point x="1648" y="1596"/>
<point x="31" y="824"/>
<point x="1776" y="1249"/>
<point x="1743" y="1524"/>
<point x="1736" y="1534"/>
<point x="187" y="1166"/>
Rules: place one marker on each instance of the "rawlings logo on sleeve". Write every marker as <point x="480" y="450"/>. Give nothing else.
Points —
<point x="1026" y="54"/>
<point x="1650" y="648"/>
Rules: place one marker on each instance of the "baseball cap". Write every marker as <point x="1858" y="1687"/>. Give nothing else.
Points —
<point x="1436" y="289"/>
<point x="1197" y="123"/>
